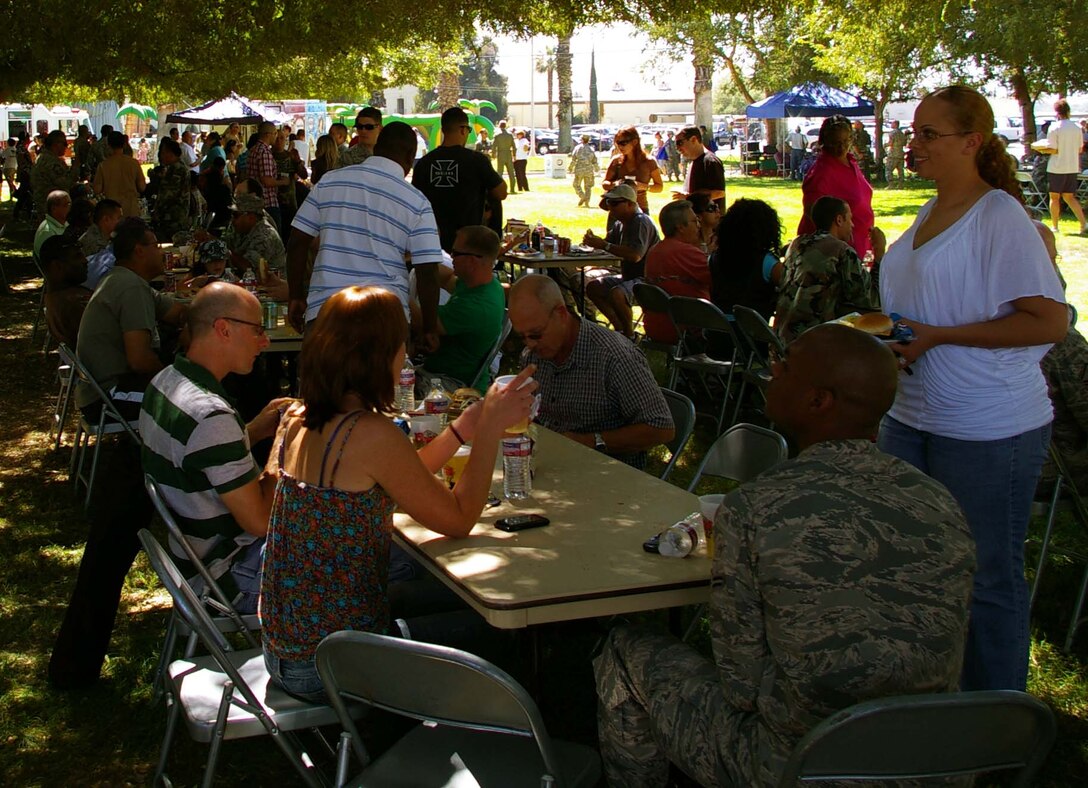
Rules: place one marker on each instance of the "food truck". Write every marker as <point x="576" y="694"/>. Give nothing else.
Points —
<point x="40" y="119"/>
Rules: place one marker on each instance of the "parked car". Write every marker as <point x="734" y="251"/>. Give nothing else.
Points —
<point x="1010" y="129"/>
<point x="547" y="141"/>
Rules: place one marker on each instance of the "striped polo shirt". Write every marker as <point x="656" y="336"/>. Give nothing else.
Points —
<point x="196" y="448"/>
<point x="367" y="217"/>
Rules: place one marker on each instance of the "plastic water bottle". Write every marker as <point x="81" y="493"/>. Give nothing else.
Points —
<point x="437" y="403"/>
<point x="681" y="538"/>
<point x="249" y="281"/>
<point x="517" y="454"/>
<point x="406" y="387"/>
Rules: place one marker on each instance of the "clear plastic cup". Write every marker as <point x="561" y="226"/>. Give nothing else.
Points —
<point x="709" y="505"/>
<point x="523" y="426"/>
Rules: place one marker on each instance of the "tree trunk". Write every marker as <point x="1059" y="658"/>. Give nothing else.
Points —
<point x="879" y="106"/>
<point x="702" y="58"/>
<point x="551" y="74"/>
<point x="449" y="88"/>
<point x="594" y="107"/>
<point x="1022" y="93"/>
<point x="565" y="111"/>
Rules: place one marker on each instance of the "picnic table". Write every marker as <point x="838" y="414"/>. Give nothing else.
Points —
<point x="578" y="261"/>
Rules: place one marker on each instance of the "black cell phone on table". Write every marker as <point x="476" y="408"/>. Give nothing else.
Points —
<point x="521" y="522"/>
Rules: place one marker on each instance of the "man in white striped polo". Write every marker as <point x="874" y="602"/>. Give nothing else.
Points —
<point x="197" y="447"/>
<point x="367" y="218"/>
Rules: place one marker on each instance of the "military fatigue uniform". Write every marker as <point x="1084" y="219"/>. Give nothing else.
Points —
<point x="356" y="154"/>
<point x="583" y="163"/>
<point x="261" y="241"/>
<point x="85" y="157"/>
<point x="171" y="212"/>
<point x="49" y="174"/>
<point x="863" y="149"/>
<point x="840" y="576"/>
<point x="824" y="280"/>
<point x="1066" y="369"/>
<point x="503" y="150"/>
<point x="897" y="144"/>
<point x="672" y="168"/>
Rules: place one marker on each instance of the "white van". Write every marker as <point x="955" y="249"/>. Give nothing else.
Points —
<point x="40" y="119"/>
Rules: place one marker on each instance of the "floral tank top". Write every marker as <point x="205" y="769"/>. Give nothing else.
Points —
<point x="326" y="562"/>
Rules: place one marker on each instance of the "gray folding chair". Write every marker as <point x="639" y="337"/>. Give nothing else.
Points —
<point x="483" y="374"/>
<point x="918" y="736"/>
<point x="683" y="419"/>
<point x="653" y="299"/>
<point x="699" y="321"/>
<point x="760" y="342"/>
<point x="227" y="694"/>
<point x="110" y="422"/>
<point x="66" y="375"/>
<point x="741" y="454"/>
<point x="39" y="318"/>
<point x="227" y="618"/>
<point x="1065" y="490"/>
<point x="477" y="719"/>
<point x="1036" y="201"/>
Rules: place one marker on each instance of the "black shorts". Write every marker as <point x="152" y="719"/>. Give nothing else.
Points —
<point x="1065" y="183"/>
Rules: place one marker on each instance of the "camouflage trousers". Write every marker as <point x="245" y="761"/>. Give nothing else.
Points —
<point x="583" y="187"/>
<point x="659" y="700"/>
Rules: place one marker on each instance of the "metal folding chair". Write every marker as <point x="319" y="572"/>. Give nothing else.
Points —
<point x="741" y="454"/>
<point x="698" y="321"/>
<point x="227" y="618"/>
<point x="39" y="318"/>
<point x="66" y="374"/>
<point x="227" y="694"/>
<point x="919" y="736"/>
<point x="1064" y="488"/>
<point x="110" y="422"/>
<point x="1036" y="201"/>
<point x="653" y="299"/>
<point x="683" y="419"/>
<point x="478" y="721"/>
<point x="760" y="340"/>
<point x="484" y="372"/>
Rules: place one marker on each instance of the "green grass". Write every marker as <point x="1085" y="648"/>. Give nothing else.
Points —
<point x="109" y="735"/>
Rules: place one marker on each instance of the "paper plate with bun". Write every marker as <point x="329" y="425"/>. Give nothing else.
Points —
<point x="883" y="327"/>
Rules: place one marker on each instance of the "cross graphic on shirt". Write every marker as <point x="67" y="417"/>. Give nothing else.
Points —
<point x="444" y="174"/>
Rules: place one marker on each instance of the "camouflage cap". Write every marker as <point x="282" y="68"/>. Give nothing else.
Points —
<point x="211" y="251"/>
<point x="247" y="203"/>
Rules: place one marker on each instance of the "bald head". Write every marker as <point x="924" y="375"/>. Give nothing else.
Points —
<point x="536" y="289"/>
<point x="835" y="383"/>
<point x="214" y="301"/>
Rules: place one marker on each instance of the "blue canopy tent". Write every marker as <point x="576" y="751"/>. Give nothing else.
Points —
<point x="810" y="100"/>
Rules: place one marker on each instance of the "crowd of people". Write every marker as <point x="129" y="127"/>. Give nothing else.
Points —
<point x="889" y="550"/>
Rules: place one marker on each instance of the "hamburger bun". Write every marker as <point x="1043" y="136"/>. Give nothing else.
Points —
<point x="874" y="323"/>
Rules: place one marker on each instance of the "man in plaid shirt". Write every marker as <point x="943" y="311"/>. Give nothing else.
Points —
<point x="595" y="385"/>
<point x="261" y="166"/>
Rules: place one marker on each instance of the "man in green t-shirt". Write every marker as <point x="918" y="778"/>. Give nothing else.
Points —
<point x="470" y="322"/>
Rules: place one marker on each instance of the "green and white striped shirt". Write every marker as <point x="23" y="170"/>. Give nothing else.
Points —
<point x="196" y="448"/>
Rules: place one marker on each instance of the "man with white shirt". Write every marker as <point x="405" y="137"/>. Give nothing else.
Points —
<point x="797" y="144"/>
<point x="368" y="217"/>
<point x="1064" y="138"/>
<point x="188" y="152"/>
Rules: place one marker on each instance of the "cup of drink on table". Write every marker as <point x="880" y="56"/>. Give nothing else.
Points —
<point x="425" y="428"/>
<point x="709" y="505"/>
<point x="455" y="466"/>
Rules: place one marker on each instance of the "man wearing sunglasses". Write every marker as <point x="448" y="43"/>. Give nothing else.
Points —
<point x="705" y="172"/>
<point x="368" y="125"/>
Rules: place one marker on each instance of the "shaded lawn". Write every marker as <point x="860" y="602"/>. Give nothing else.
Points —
<point x="109" y="735"/>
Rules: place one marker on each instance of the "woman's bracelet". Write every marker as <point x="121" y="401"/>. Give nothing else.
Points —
<point x="456" y="434"/>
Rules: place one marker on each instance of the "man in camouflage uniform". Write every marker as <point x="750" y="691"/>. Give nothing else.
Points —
<point x="368" y="125"/>
<point x="672" y="167"/>
<point x="502" y="150"/>
<point x="83" y="160"/>
<point x="171" y="211"/>
<point x="896" y="155"/>
<point x="250" y="238"/>
<point x="1066" y="369"/>
<point x="840" y="576"/>
<point x="583" y="164"/>
<point x="824" y="278"/>
<point x="863" y="149"/>
<point x="50" y="173"/>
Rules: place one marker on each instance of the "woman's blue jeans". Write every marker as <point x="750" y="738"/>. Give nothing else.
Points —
<point x="994" y="482"/>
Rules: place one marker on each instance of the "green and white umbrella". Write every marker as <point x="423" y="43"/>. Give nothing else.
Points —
<point x="141" y="111"/>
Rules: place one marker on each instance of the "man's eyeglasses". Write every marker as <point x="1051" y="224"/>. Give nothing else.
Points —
<point x="463" y="253"/>
<point x="258" y="327"/>
<point x="537" y="335"/>
<point x="930" y="135"/>
<point x="368" y="126"/>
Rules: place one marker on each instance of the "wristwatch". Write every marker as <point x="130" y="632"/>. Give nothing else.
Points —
<point x="598" y="442"/>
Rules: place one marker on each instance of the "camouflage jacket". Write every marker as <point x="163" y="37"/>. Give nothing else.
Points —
<point x="1066" y="369"/>
<point x="356" y="154"/>
<point x="824" y="279"/>
<point x="171" y="212"/>
<point x="261" y="241"/>
<point x="583" y="160"/>
<point x="49" y="174"/>
<point x="839" y="576"/>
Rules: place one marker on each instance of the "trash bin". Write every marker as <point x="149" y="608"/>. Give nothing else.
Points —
<point x="555" y="165"/>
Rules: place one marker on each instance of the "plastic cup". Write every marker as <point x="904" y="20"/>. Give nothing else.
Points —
<point x="709" y="505"/>
<point x="425" y="428"/>
<point x="522" y="426"/>
<point x="455" y="466"/>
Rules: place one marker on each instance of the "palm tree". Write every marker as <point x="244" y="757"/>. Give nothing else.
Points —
<point x="565" y="111"/>
<point x="545" y="64"/>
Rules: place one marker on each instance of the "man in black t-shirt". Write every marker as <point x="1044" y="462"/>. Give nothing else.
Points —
<point x="705" y="172"/>
<point x="456" y="180"/>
